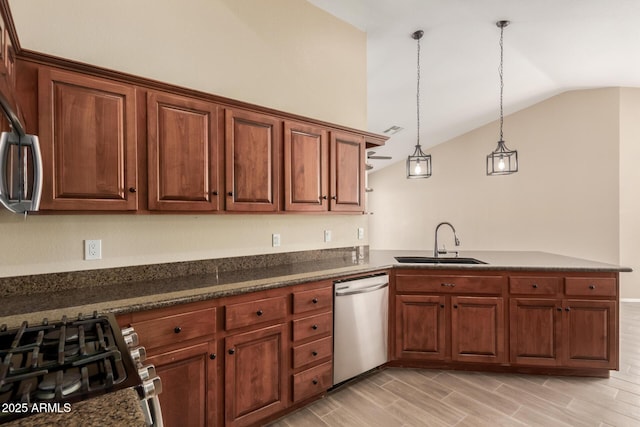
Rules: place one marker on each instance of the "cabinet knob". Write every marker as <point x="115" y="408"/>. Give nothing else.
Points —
<point x="559" y="308"/>
<point x="132" y="189"/>
<point x="592" y="286"/>
<point x="535" y="286"/>
<point x="315" y="381"/>
<point x="177" y="329"/>
<point x="441" y="305"/>
<point x="230" y="193"/>
<point x="314" y="327"/>
<point x="259" y="312"/>
<point x="334" y="198"/>
<point x="314" y="353"/>
<point x="315" y="300"/>
<point x="215" y="193"/>
<point x="455" y="305"/>
<point x="567" y="309"/>
<point x="324" y="197"/>
<point x="212" y="356"/>
<point x="232" y="351"/>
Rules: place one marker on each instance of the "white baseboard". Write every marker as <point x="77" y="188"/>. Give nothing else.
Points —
<point x="629" y="299"/>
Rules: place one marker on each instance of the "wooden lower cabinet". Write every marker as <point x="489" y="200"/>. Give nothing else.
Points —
<point x="188" y="378"/>
<point x="256" y="383"/>
<point x="457" y="328"/>
<point x="420" y="327"/>
<point x="564" y="332"/>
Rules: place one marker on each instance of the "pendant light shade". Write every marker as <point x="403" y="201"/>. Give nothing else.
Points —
<point x="419" y="163"/>
<point x="502" y="161"/>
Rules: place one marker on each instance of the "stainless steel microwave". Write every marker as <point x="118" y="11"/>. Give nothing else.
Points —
<point x="20" y="166"/>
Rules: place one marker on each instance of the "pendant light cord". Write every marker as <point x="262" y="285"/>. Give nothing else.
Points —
<point x="418" y="94"/>
<point x="501" y="79"/>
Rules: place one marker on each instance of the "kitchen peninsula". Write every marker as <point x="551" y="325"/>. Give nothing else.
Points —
<point x="519" y="312"/>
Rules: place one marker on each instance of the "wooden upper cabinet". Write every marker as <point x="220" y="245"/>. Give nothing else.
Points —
<point x="347" y="172"/>
<point x="183" y="153"/>
<point x="306" y="168"/>
<point x="253" y="144"/>
<point x="88" y="141"/>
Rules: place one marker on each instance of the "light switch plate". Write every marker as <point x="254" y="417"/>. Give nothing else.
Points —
<point x="275" y="240"/>
<point x="360" y="233"/>
<point x="327" y="235"/>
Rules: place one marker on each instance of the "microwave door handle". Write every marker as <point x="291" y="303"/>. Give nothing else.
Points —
<point x="36" y="157"/>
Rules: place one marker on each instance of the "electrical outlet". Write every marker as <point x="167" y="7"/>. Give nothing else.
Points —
<point x="360" y="233"/>
<point x="275" y="240"/>
<point x="327" y="235"/>
<point x="92" y="249"/>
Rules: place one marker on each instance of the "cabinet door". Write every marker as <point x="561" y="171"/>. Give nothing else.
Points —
<point x="477" y="329"/>
<point x="306" y="168"/>
<point x="347" y="172"/>
<point x="590" y="334"/>
<point x="252" y="143"/>
<point x="420" y="327"/>
<point x="535" y="329"/>
<point x="188" y="376"/>
<point x="183" y="154"/>
<point x="88" y="140"/>
<point x="255" y="375"/>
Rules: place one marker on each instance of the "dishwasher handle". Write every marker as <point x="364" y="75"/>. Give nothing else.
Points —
<point x="347" y="291"/>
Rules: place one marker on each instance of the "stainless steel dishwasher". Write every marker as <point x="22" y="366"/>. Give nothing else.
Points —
<point x="361" y="311"/>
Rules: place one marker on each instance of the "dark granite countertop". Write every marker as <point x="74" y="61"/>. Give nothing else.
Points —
<point x="132" y="295"/>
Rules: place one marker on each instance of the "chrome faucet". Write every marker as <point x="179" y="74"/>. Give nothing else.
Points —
<point x="437" y="251"/>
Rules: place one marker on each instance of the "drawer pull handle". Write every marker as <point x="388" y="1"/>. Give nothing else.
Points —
<point x="315" y="381"/>
<point x="448" y="285"/>
<point x="259" y="312"/>
<point x="315" y="300"/>
<point x="177" y="329"/>
<point x="314" y="327"/>
<point x="212" y="356"/>
<point x="535" y="286"/>
<point x="232" y="351"/>
<point x="314" y="353"/>
<point x="592" y="286"/>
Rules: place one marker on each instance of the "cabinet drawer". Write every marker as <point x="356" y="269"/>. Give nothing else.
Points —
<point x="591" y="286"/>
<point x="450" y="284"/>
<point x="313" y="299"/>
<point x="173" y="329"/>
<point x="312" y="326"/>
<point x="312" y="381"/>
<point x="312" y="352"/>
<point x="535" y="285"/>
<point x="252" y="312"/>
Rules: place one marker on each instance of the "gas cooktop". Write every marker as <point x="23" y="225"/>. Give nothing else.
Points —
<point x="53" y="364"/>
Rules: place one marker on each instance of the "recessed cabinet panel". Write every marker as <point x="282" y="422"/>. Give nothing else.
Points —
<point x="477" y="329"/>
<point x="252" y="143"/>
<point x="590" y="333"/>
<point x="183" y="153"/>
<point x="535" y="331"/>
<point x="347" y="172"/>
<point x="306" y="168"/>
<point x="88" y="142"/>
<point x="420" y="327"/>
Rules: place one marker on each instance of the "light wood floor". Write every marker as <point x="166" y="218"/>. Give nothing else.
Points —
<point x="417" y="397"/>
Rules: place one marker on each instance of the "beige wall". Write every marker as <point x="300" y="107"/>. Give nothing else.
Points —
<point x="284" y="54"/>
<point x="629" y="193"/>
<point x="564" y="199"/>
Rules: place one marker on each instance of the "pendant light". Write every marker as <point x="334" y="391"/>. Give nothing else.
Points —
<point x="502" y="161"/>
<point x="419" y="163"/>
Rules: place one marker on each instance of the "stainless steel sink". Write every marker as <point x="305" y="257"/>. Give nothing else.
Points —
<point x="432" y="260"/>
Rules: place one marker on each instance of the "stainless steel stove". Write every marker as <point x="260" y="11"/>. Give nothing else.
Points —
<point x="66" y="361"/>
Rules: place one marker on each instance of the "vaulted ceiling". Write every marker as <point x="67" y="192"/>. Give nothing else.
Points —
<point x="551" y="46"/>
